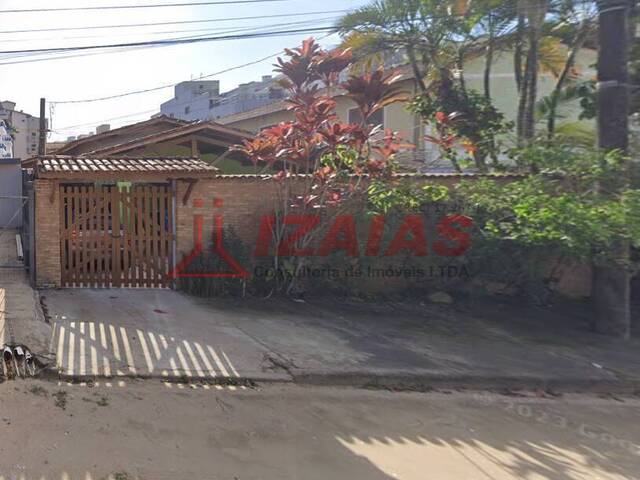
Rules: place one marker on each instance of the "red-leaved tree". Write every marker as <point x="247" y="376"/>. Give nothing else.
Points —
<point x="333" y="156"/>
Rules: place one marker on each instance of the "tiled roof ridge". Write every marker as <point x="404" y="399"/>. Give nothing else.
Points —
<point x="100" y="165"/>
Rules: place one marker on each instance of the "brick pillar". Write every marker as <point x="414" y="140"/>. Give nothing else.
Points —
<point x="47" y="233"/>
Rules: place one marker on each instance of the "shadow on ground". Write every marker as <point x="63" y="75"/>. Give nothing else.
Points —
<point x="289" y="432"/>
<point x="470" y="341"/>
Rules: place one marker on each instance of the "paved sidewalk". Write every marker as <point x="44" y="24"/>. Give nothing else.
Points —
<point x="150" y="333"/>
<point x="479" y="345"/>
<point x="169" y="335"/>
<point x="21" y="319"/>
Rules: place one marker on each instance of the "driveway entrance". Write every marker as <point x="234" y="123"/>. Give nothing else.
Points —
<point x="150" y="333"/>
<point x="116" y="236"/>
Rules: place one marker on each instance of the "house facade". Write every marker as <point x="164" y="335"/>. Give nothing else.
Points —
<point x="410" y="126"/>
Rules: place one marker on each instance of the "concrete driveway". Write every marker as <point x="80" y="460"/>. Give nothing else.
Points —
<point x="150" y="333"/>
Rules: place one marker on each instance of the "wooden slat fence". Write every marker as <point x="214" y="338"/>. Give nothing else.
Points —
<point x="116" y="236"/>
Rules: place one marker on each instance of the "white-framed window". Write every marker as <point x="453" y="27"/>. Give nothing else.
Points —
<point x="376" y="119"/>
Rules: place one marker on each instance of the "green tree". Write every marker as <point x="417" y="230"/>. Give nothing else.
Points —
<point x="423" y="30"/>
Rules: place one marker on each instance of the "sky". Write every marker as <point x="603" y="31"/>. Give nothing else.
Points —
<point x="91" y="76"/>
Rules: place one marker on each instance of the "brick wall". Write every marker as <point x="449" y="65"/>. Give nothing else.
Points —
<point x="47" y="233"/>
<point x="242" y="201"/>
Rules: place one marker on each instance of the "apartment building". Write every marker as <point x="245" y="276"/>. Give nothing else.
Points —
<point x="202" y="100"/>
<point x="23" y="127"/>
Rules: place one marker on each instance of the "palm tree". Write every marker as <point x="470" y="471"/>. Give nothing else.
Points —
<point x="497" y="24"/>
<point x="420" y="29"/>
<point x="574" y="25"/>
<point x="531" y="17"/>
<point x="438" y="36"/>
<point x="565" y="22"/>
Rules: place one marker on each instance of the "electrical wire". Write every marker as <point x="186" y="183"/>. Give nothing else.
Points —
<point x="165" y="42"/>
<point x="90" y="124"/>
<point x="183" y="22"/>
<point x="60" y="131"/>
<point x="161" y="87"/>
<point x="64" y="57"/>
<point x="128" y="7"/>
<point x="171" y="85"/>
<point x="218" y="30"/>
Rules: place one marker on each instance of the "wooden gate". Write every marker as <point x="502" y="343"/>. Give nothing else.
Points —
<point x="114" y="236"/>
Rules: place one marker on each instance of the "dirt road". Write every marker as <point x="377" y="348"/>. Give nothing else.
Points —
<point x="147" y="430"/>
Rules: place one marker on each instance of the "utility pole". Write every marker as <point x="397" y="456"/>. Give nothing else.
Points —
<point x="42" y="139"/>
<point x="611" y="282"/>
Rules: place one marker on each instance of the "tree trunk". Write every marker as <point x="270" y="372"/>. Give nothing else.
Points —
<point x="519" y="72"/>
<point x="535" y="14"/>
<point x="581" y="37"/>
<point x="611" y="283"/>
<point x="532" y="85"/>
<point x="460" y="68"/>
<point x="419" y="78"/>
<point x="522" y="103"/>
<point x="488" y="63"/>
<point x="518" y="54"/>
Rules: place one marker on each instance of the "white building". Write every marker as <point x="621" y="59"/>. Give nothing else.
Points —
<point x="6" y="141"/>
<point x="202" y="100"/>
<point x="24" y="128"/>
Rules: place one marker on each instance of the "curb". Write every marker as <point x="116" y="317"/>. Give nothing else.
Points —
<point x="52" y="373"/>
<point x="398" y="382"/>
<point x="425" y="383"/>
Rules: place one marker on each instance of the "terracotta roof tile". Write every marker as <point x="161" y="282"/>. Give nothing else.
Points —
<point x="224" y="133"/>
<point x="85" y="165"/>
<point x="250" y="176"/>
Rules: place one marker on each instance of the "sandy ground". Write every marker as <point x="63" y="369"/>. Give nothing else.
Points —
<point x="146" y="430"/>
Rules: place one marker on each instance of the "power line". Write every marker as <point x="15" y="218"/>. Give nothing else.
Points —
<point x="182" y="22"/>
<point x="161" y="87"/>
<point x="218" y="30"/>
<point x="170" y="85"/>
<point x="127" y="49"/>
<point x="126" y="7"/>
<point x="165" y="42"/>
<point x="90" y="124"/>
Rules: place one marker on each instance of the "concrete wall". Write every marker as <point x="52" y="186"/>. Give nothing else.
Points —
<point x="10" y="186"/>
<point x="264" y="117"/>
